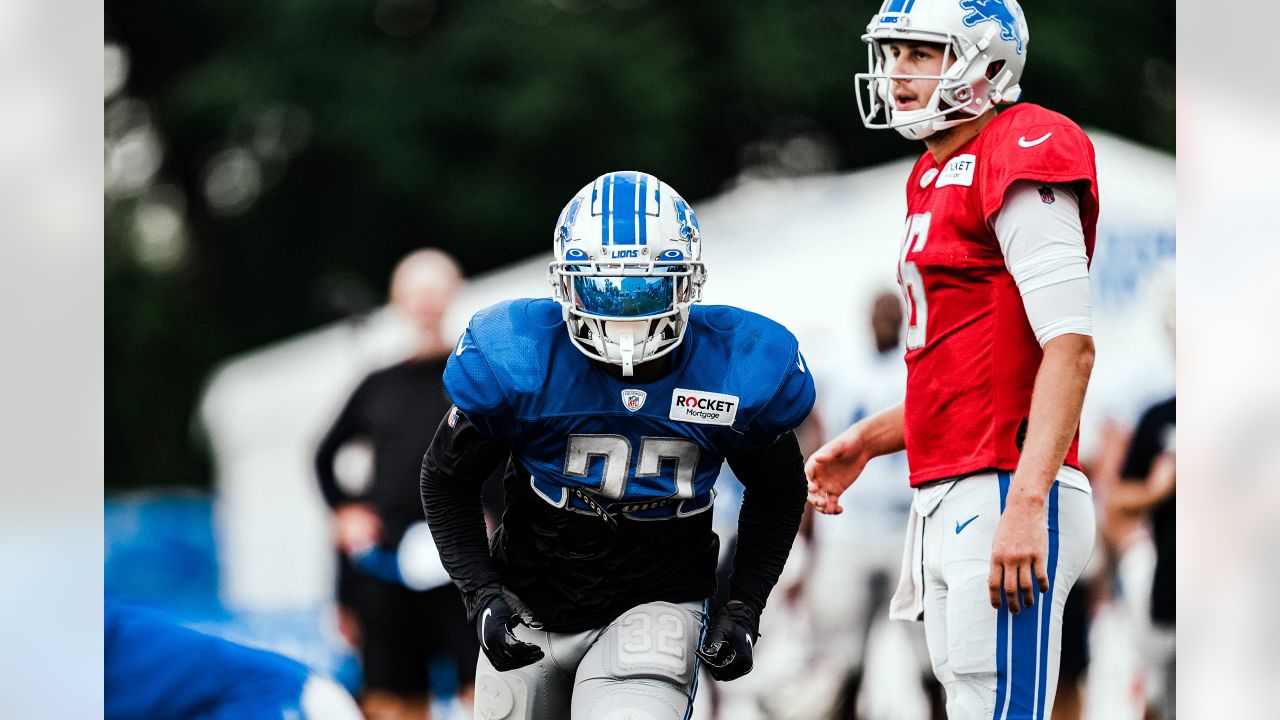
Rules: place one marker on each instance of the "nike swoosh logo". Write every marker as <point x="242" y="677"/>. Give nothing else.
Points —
<point x="1024" y="142"/>
<point x="484" y="619"/>
<point x="960" y="526"/>
<point x="461" y="345"/>
<point x="800" y="362"/>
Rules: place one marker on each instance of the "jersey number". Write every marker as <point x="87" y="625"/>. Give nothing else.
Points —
<point x="642" y="646"/>
<point x="616" y="451"/>
<point x="917" y="233"/>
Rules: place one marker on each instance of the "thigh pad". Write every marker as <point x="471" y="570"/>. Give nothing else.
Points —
<point x="653" y="641"/>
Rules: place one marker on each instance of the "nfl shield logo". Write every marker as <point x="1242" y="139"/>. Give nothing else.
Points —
<point x="1046" y="195"/>
<point x="633" y="400"/>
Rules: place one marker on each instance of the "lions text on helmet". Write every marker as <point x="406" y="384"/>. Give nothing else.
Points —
<point x="933" y="64"/>
<point x="627" y="267"/>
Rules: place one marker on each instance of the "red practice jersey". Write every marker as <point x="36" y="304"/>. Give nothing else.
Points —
<point x="971" y="354"/>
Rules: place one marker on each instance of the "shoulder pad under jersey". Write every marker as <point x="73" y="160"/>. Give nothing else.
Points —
<point x="503" y="358"/>
<point x="758" y="360"/>
<point x="1028" y="142"/>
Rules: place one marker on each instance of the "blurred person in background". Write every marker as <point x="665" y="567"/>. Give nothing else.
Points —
<point x="857" y="555"/>
<point x="157" y="669"/>
<point x="1140" y="502"/>
<point x="1147" y="489"/>
<point x="1134" y="606"/>
<point x="398" y="629"/>
<point x="617" y="402"/>
<point x="1002" y="214"/>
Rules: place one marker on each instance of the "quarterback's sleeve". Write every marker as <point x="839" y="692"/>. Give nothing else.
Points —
<point x="772" y="504"/>
<point x="1042" y="240"/>
<point x="475" y="390"/>
<point x="454" y="468"/>
<point x="1047" y="152"/>
<point x="788" y="405"/>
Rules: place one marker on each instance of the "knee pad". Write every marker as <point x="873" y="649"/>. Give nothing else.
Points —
<point x="500" y="695"/>
<point x="654" y="641"/>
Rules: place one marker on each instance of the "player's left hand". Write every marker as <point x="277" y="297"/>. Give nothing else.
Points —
<point x="1020" y="554"/>
<point x="727" y="648"/>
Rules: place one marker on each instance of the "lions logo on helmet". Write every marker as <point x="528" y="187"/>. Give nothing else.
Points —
<point x="984" y="44"/>
<point x="628" y="264"/>
<point x="994" y="11"/>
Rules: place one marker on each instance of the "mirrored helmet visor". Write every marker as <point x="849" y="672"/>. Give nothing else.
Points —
<point x="624" y="296"/>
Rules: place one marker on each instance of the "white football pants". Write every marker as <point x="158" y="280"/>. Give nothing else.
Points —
<point x="995" y="665"/>
<point x="639" y="667"/>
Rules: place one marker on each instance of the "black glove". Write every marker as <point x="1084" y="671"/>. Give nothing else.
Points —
<point x="493" y="625"/>
<point x="726" y="650"/>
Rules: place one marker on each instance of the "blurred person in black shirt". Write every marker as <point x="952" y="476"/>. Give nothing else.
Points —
<point x="1147" y="487"/>
<point x="396" y="626"/>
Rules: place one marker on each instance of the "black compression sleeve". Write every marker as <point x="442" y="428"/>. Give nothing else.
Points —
<point x="347" y="426"/>
<point x="453" y="471"/>
<point x="772" y="505"/>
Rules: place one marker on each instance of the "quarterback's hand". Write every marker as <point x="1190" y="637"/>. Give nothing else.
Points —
<point x="727" y="648"/>
<point x="504" y="651"/>
<point x="1019" y="552"/>
<point x="832" y="468"/>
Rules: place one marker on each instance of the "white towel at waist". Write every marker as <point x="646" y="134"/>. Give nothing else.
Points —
<point x="907" y="602"/>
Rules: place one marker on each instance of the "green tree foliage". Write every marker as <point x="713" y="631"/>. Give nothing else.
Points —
<point x="368" y="128"/>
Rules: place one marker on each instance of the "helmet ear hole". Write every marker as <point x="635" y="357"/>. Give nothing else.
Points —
<point x="957" y="96"/>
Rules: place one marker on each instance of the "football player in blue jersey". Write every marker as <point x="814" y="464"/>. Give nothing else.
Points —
<point x="614" y="405"/>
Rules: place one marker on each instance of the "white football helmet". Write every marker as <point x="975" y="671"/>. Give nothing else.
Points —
<point x="628" y="264"/>
<point x="975" y="34"/>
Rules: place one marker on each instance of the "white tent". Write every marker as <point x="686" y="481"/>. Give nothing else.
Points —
<point x="808" y="252"/>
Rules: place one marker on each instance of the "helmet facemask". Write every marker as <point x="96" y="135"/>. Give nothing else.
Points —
<point x="627" y="314"/>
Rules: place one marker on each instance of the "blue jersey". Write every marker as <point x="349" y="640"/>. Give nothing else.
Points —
<point x="648" y="451"/>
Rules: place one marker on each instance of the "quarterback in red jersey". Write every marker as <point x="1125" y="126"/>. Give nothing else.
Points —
<point x="1002" y="210"/>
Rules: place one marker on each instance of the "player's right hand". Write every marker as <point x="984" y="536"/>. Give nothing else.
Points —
<point x="832" y="468"/>
<point x="505" y="652"/>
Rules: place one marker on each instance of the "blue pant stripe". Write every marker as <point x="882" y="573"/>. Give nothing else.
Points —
<point x="1002" y="626"/>
<point x="1046" y="604"/>
<point x="697" y="661"/>
<point x="1022" y="640"/>
<point x="1022" y="664"/>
